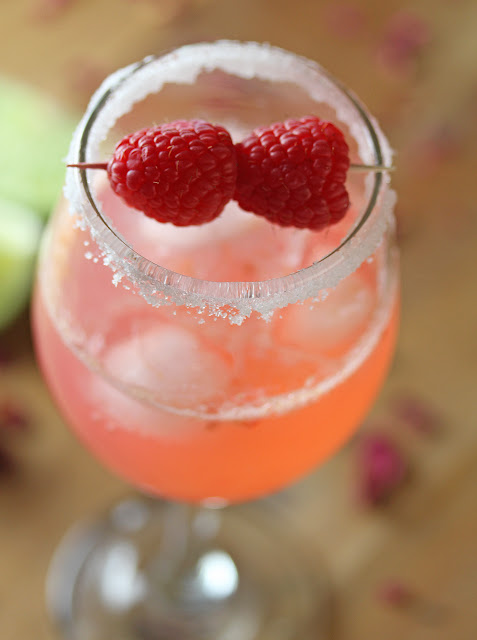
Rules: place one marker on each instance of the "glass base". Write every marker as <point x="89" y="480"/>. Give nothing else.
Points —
<point x="149" y="570"/>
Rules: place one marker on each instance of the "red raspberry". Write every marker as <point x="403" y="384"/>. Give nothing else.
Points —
<point x="293" y="173"/>
<point x="181" y="172"/>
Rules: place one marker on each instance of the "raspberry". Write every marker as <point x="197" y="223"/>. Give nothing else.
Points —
<point x="293" y="173"/>
<point x="181" y="172"/>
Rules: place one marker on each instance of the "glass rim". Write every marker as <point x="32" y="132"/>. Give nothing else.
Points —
<point x="156" y="282"/>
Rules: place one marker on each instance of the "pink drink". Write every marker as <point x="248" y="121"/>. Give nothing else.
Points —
<point x="232" y="394"/>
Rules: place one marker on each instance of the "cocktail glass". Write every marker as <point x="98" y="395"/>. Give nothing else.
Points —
<point x="212" y="365"/>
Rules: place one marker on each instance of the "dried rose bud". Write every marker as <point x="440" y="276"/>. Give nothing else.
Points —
<point x="12" y="417"/>
<point x="49" y="9"/>
<point x="404" y="37"/>
<point x="415" y="413"/>
<point x="381" y="468"/>
<point x="396" y="594"/>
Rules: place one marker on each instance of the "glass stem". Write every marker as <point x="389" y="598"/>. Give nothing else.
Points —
<point x="187" y="541"/>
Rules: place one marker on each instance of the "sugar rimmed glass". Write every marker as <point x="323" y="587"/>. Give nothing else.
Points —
<point x="213" y="365"/>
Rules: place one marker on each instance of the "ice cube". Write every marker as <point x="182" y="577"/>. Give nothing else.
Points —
<point x="333" y="322"/>
<point x="232" y="221"/>
<point x="161" y="242"/>
<point x="171" y="366"/>
<point x="256" y="251"/>
<point x="114" y="409"/>
<point x="236" y="246"/>
<point x="267" y="251"/>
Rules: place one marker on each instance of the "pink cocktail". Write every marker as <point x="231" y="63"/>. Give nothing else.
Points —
<point x="220" y="363"/>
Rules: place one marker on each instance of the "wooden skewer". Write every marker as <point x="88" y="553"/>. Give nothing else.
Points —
<point x="371" y="167"/>
<point x="89" y="165"/>
<point x="355" y="167"/>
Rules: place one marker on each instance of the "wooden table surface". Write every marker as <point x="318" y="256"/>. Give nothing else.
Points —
<point x="415" y="65"/>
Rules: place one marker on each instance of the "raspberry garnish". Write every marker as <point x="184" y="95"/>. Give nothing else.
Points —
<point x="293" y="173"/>
<point x="182" y="172"/>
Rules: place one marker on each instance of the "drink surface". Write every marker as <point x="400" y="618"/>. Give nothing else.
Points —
<point x="198" y="408"/>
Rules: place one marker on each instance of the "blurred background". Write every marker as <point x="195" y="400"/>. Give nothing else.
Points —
<point x="399" y="536"/>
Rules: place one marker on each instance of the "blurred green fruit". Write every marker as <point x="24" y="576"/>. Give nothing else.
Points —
<point x="20" y="231"/>
<point x="35" y="133"/>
